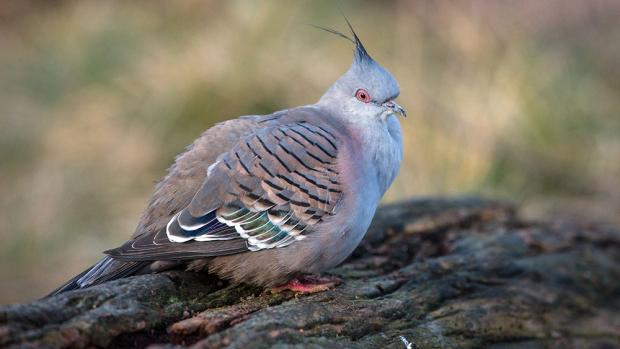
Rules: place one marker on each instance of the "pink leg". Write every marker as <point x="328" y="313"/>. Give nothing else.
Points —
<point x="308" y="284"/>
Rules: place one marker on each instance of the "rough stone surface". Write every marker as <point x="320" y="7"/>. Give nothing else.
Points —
<point x="437" y="273"/>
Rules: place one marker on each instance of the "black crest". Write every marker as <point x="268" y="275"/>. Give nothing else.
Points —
<point x="360" y="51"/>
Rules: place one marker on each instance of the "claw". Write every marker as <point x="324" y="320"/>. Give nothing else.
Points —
<point x="308" y="284"/>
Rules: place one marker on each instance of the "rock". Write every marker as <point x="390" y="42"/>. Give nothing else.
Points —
<point x="435" y="273"/>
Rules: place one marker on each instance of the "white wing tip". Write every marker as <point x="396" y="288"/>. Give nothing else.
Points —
<point x="174" y="238"/>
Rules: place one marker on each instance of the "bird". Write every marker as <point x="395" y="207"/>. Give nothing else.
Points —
<point x="272" y="200"/>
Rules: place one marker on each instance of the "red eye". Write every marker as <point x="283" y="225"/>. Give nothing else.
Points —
<point x="362" y="95"/>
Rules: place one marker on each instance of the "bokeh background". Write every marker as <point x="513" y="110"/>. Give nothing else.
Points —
<point x="517" y="100"/>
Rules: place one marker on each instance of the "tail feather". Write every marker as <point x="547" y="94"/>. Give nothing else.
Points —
<point x="107" y="269"/>
<point x="72" y="284"/>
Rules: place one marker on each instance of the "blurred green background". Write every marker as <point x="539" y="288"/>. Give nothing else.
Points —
<point x="516" y="100"/>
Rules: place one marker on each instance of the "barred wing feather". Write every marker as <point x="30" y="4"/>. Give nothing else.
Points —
<point x="267" y="192"/>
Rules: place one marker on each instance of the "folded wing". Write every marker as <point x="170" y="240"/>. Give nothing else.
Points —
<point x="269" y="191"/>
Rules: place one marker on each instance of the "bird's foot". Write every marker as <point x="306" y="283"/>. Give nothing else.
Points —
<point x="308" y="284"/>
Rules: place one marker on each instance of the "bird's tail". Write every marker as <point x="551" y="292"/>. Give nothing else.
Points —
<point x="106" y="269"/>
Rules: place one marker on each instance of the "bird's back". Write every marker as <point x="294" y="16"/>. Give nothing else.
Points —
<point x="175" y="191"/>
<point x="189" y="171"/>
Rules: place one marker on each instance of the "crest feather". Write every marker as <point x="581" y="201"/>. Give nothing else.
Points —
<point x="360" y="51"/>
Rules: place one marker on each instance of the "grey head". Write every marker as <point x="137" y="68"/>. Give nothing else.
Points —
<point x="366" y="90"/>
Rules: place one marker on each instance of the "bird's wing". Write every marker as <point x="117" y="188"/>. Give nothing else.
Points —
<point x="268" y="191"/>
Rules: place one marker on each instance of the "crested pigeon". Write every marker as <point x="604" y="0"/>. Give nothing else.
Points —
<point x="269" y="199"/>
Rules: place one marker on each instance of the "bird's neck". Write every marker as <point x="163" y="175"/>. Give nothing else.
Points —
<point x="378" y="141"/>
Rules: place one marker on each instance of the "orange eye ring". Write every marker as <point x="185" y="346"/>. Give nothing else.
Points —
<point x="362" y="95"/>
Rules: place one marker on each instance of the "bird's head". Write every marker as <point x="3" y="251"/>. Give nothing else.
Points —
<point x="366" y="89"/>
